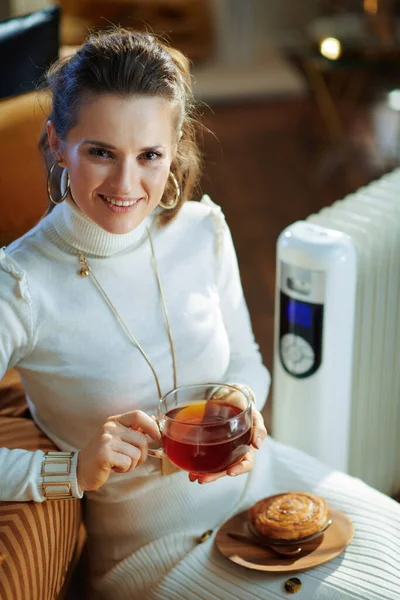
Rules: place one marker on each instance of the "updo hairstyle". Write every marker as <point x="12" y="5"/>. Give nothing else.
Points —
<point x="127" y="63"/>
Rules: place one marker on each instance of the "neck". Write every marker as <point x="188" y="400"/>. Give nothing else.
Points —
<point x="79" y="231"/>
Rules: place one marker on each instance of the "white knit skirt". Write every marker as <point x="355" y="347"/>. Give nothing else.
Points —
<point x="145" y="547"/>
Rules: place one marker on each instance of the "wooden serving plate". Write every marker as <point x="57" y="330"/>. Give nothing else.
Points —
<point x="320" y="550"/>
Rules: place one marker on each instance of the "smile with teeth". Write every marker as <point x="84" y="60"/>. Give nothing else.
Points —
<point x="118" y="203"/>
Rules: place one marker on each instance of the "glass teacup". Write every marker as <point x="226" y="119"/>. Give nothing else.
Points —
<point x="205" y="428"/>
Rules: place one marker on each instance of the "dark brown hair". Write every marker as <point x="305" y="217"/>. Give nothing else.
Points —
<point x="124" y="62"/>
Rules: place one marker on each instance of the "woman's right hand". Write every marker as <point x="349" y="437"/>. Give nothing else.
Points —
<point x="120" y="446"/>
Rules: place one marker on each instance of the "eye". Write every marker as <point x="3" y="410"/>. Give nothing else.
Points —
<point x="151" y="155"/>
<point x="100" y="153"/>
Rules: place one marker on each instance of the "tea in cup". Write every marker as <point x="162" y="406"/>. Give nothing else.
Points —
<point x="205" y="428"/>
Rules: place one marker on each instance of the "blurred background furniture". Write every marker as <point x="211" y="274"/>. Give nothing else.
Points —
<point x="187" y="22"/>
<point x="33" y="43"/>
<point x="350" y="56"/>
<point x="345" y="48"/>
<point x="30" y="43"/>
<point x="23" y="175"/>
<point x="234" y="45"/>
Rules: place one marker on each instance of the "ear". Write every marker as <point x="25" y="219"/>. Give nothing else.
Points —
<point x="55" y="144"/>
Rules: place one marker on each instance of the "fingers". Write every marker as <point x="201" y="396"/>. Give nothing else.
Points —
<point x="120" y="445"/>
<point x="126" y="457"/>
<point x="205" y="478"/>
<point x="259" y="430"/>
<point x="244" y="466"/>
<point x="137" y="419"/>
<point x="125" y="437"/>
<point x="136" y="439"/>
<point x="228" y="397"/>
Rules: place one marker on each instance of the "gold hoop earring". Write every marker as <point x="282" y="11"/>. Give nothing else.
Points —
<point x="175" y="201"/>
<point x="50" y="195"/>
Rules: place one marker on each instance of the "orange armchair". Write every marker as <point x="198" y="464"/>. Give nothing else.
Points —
<point x="22" y="174"/>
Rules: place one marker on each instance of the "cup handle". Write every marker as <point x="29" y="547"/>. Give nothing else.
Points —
<point x="156" y="452"/>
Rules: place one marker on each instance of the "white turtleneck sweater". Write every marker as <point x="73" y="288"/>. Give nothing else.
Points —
<point x="78" y="367"/>
<point x="76" y="363"/>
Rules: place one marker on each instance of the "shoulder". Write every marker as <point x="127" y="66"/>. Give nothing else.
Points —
<point x="200" y="221"/>
<point x="31" y="246"/>
<point x="19" y="258"/>
<point x="203" y="212"/>
<point x="15" y="297"/>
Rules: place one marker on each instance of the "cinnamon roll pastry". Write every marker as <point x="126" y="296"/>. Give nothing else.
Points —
<point x="290" y="516"/>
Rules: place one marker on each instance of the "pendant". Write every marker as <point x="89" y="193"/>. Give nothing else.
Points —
<point x="84" y="271"/>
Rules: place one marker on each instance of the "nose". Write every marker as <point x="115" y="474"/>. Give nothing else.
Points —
<point x="126" y="179"/>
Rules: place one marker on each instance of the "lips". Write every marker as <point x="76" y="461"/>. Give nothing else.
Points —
<point x="115" y="202"/>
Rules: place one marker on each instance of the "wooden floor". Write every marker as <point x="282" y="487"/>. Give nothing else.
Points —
<point x="269" y="165"/>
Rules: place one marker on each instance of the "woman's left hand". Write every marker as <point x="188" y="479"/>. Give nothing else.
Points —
<point x="247" y="462"/>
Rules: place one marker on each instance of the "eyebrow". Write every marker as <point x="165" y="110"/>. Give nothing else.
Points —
<point x="111" y="147"/>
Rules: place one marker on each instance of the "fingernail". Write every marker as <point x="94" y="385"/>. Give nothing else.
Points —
<point x="232" y="474"/>
<point x="258" y="442"/>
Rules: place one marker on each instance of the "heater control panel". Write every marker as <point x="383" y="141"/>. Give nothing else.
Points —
<point x="301" y="320"/>
<point x="297" y="354"/>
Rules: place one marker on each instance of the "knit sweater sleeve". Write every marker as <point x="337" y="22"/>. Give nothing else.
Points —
<point x="20" y="470"/>
<point x="245" y="365"/>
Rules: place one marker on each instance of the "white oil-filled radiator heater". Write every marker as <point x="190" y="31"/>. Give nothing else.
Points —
<point x="336" y="391"/>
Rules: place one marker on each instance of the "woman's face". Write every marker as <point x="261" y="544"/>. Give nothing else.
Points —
<point x="118" y="157"/>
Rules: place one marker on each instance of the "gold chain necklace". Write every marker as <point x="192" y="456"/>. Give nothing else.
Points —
<point x="85" y="271"/>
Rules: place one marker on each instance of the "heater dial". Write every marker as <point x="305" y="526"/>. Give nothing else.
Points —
<point x="297" y="354"/>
